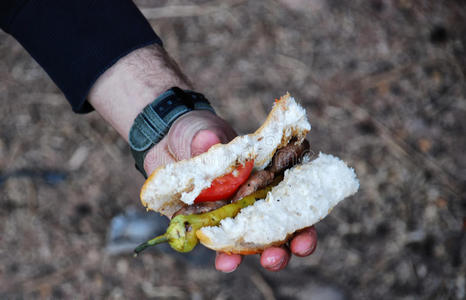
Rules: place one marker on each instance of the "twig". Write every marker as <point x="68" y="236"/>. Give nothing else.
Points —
<point x="394" y="143"/>
<point x="31" y="285"/>
<point x="163" y="291"/>
<point x="178" y="11"/>
<point x="174" y="11"/>
<point x="263" y="286"/>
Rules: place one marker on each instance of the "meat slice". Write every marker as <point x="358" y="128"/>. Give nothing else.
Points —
<point x="288" y="156"/>
<point x="283" y="159"/>
<point x="257" y="181"/>
<point x="200" y="208"/>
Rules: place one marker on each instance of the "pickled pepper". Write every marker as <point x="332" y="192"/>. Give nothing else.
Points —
<point x="181" y="233"/>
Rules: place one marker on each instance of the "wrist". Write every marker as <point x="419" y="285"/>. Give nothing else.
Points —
<point x="154" y="122"/>
<point x="122" y="92"/>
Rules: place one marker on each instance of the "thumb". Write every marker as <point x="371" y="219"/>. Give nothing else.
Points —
<point x="195" y="132"/>
<point x="203" y="140"/>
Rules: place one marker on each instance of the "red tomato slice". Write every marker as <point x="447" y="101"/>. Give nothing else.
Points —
<point x="225" y="186"/>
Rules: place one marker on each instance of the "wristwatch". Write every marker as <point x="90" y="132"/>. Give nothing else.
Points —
<point x="153" y="123"/>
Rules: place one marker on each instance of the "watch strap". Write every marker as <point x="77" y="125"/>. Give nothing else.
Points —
<point x="155" y="120"/>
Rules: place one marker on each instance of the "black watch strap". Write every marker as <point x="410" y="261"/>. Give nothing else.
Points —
<point x="153" y="123"/>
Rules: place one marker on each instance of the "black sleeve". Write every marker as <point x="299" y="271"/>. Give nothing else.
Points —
<point x="75" y="41"/>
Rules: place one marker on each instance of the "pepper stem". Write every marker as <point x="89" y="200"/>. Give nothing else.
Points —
<point x="155" y="241"/>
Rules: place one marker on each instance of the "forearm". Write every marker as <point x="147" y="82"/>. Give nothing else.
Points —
<point x="121" y="93"/>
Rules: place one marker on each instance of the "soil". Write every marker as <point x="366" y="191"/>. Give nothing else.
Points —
<point x="383" y="83"/>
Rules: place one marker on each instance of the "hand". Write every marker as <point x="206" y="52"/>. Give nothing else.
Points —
<point x="190" y="135"/>
<point x="137" y="79"/>
<point x="274" y="258"/>
<point x="195" y="133"/>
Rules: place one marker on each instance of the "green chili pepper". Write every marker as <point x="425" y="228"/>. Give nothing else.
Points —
<point x="181" y="233"/>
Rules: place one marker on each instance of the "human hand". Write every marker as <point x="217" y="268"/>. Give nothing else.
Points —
<point x="190" y="135"/>
<point x="274" y="258"/>
<point x="136" y="80"/>
<point x="195" y="133"/>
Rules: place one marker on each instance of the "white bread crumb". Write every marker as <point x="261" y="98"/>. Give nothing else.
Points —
<point x="306" y="195"/>
<point x="173" y="185"/>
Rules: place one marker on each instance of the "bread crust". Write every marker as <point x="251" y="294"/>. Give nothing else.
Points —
<point x="169" y="207"/>
<point x="319" y="185"/>
<point x="240" y="249"/>
<point x="307" y="193"/>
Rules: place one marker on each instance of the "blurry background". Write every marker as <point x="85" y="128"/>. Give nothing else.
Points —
<point x="383" y="83"/>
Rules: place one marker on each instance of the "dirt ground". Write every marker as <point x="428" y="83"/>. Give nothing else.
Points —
<point x="383" y="83"/>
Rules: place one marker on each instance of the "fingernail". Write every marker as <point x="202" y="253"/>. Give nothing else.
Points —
<point x="202" y="141"/>
<point x="305" y="248"/>
<point x="305" y="252"/>
<point x="278" y="264"/>
<point x="226" y="272"/>
<point x="304" y="243"/>
<point x="226" y="264"/>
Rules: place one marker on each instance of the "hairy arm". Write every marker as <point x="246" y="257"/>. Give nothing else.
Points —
<point x="121" y="93"/>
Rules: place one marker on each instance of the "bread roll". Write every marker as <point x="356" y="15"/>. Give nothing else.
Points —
<point x="173" y="185"/>
<point x="306" y="195"/>
<point x="308" y="192"/>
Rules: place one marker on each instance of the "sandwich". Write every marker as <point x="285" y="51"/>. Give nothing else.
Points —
<point x="252" y="193"/>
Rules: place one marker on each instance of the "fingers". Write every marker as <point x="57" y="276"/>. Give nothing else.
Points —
<point x="227" y="263"/>
<point x="305" y="242"/>
<point x="202" y="141"/>
<point x="184" y="130"/>
<point x="272" y="259"/>
<point x="190" y="135"/>
<point x="275" y="258"/>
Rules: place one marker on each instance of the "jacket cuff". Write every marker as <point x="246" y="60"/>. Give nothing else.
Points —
<point x="76" y="41"/>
